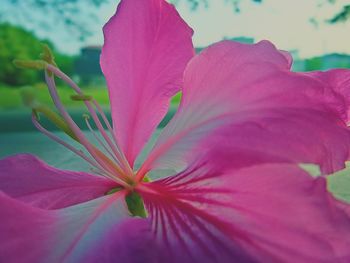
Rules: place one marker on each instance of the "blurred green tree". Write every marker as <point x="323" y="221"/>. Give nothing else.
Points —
<point x="313" y="64"/>
<point x="78" y="17"/>
<point x="342" y="16"/>
<point x="17" y="43"/>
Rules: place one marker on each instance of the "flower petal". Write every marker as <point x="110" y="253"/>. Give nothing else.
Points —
<point x="96" y="231"/>
<point x="26" y="178"/>
<point x="339" y="82"/>
<point x="147" y="46"/>
<point x="246" y="90"/>
<point x="264" y="213"/>
<point x="283" y="135"/>
<point x="259" y="214"/>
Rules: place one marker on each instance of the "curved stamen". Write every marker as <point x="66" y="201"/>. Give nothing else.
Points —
<point x="80" y="153"/>
<point x="54" y="118"/>
<point x="119" y="169"/>
<point x="86" y="117"/>
<point x="103" y="160"/>
<point x="109" y="127"/>
<point x="124" y="161"/>
<point x="114" y="146"/>
<point x="58" y="140"/>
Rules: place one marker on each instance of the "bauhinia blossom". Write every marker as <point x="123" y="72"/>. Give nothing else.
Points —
<point x="233" y="189"/>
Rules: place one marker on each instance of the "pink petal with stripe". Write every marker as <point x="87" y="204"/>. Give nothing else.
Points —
<point x="30" y="180"/>
<point x="92" y="232"/>
<point x="147" y="46"/>
<point x="245" y="91"/>
<point x="264" y="213"/>
<point x="339" y="81"/>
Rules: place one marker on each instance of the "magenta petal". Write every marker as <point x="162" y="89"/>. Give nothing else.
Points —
<point x="265" y="213"/>
<point x="26" y="178"/>
<point x="234" y="93"/>
<point x="284" y="135"/>
<point x="20" y="239"/>
<point x="96" y="231"/>
<point x="131" y="241"/>
<point x="338" y="81"/>
<point x="291" y="215"/>
<point x="147" y="46"/>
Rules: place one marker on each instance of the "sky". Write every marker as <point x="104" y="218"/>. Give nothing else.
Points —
<point x="284" y="22"/>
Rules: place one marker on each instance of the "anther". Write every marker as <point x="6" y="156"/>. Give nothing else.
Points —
<point x="81" y="97"/>
<point x="30" y="64"/>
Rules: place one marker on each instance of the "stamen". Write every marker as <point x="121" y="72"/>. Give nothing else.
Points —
<point x="81" y="97"/>
<point x="103" y="160"/>
<point x="47" y="55"/>
<point x="116" y="149"/>
<point x="106" y="122"/>
<point x="119" y="169"/>
<point x="87" y="117"/>
<point x="110" y="129"/>
<point x="100" y="169"/>
<point x="30" y="64"/>
<point x="58" y="140"/>
<point x="55" y="119"/>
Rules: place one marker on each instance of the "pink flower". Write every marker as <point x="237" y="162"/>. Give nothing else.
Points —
<point x="234" y="191"/>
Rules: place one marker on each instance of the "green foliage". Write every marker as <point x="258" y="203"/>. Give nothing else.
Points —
<point x="78" y="21"/>
<point x="313" y="64"/>
<point x="195" y="4"/>
<point x="17" y="43"/>
<point x="327" y="62"/>
<point x="342" y="16"/>
<point x="11" y="98"/>
<point x="65" y="63"/>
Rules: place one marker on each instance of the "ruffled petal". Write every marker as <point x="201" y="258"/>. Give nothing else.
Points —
<point x="96" y="231"/>
<point x="338" y="80"/>
<point x="30" y="180"/>
<point x="283" y="136"/>
<point x="264" y="213"/>
<point x="248" y="94"/>
<point x="147" y="46"/>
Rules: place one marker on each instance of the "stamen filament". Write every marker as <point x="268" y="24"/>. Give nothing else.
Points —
<point x="98" y="139"/>
<point x="98" y="156"/>
<point x="116" y="149"/>
<point x="55" y="119"/>
<point x="62" y="142"/>
<point x="102" y="162"/>
<point x="123" y="160"/>
<point x="106" y="122"/>
<point x="80" y="153"/>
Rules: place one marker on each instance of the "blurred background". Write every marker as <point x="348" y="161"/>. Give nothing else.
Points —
<point x="316" y="32"/>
